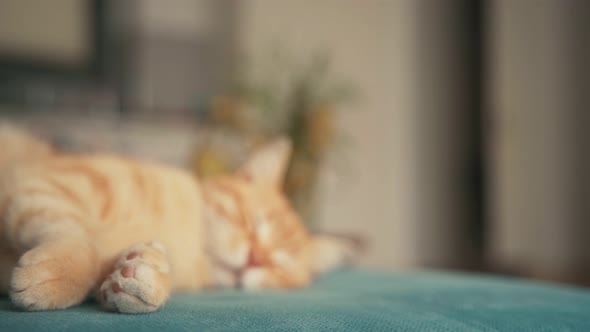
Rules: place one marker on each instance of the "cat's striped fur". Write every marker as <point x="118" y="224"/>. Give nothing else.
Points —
<point x="133" y="231"/>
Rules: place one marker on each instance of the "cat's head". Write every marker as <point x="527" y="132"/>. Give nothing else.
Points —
<point x="256" y="239"/>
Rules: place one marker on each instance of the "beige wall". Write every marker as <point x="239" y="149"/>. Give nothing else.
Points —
<point x="372" y="42"/>
<point x="50" y="30"/>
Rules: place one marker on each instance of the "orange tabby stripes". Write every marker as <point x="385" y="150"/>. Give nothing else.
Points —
<point x="99" y="181"/>
<point x="67" y="192"/>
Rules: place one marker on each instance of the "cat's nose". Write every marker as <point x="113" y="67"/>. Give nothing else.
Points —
<point x="253" y="260"/>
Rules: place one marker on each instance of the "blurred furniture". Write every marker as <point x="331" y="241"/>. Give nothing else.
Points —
<point x="346" y="301"/>
<point x="161" y="139"/>
<point x="49" y="48"/>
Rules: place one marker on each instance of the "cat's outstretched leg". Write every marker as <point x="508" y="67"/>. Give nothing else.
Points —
<point x="140" y="280"/>
<point x="43" y="227"/>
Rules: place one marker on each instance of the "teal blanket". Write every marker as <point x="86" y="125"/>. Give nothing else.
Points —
<point x="345" y="301"/>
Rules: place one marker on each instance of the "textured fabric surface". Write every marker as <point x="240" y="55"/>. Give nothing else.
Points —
<point x="345" y="301"/>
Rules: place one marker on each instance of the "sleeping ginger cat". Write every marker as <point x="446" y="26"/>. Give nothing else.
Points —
<point x="133" y="231"/>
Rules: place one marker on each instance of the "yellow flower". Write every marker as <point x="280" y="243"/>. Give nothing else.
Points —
<point x="209" y="162"/>
<point x="320" y="128"/>
<point x="299" y="176"/>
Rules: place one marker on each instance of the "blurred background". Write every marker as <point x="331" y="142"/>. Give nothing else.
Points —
<point x="451" y="134"/>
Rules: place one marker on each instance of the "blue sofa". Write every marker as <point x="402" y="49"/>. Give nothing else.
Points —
<point x="352" y="300"/>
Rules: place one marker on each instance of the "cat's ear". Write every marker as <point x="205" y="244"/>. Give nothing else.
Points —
<point x="268" y="165"/>
<point x="331" y="251"/>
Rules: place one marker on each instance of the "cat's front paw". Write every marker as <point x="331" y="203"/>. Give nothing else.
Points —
<point x="51" y="277"/>
<point x="139" y="283"/>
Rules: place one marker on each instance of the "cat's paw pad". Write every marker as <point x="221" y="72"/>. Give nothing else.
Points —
<point x="139" y="282"/>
